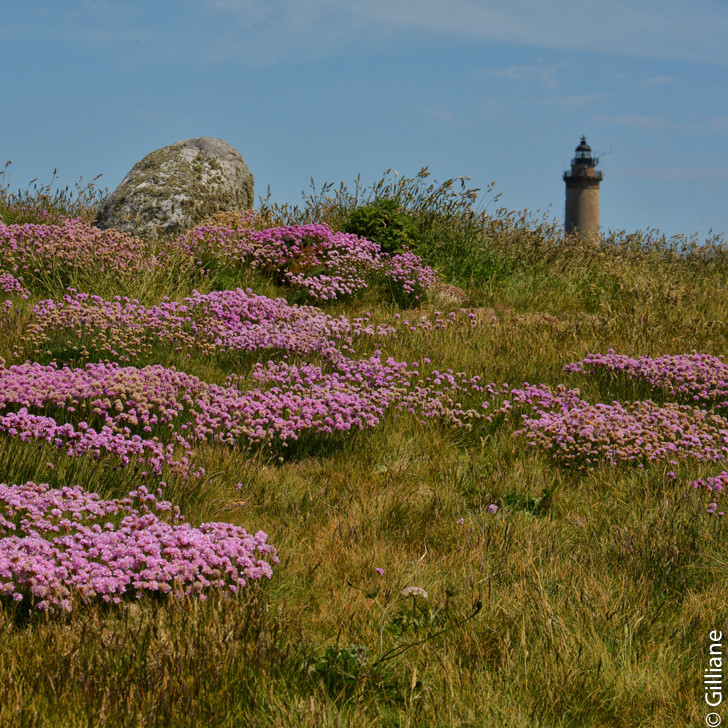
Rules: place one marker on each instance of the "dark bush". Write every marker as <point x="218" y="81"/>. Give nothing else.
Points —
<point x="383" y="222"/>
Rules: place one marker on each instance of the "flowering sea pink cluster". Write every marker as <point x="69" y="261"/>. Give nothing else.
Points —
<point x="217" y="322"/>
<point x="151" y="413"/>
<point x="58" y="546"/>
<point x="359" y="392"/>
<point x="326" y="264"/>
<point x="578" y="433"/>
<point x="314" y="258"/>
<point x="633" y="432"/>
<point x="529" y="397"/>
<point x="424" y="323"/>
<point x="699" y="377"/>
<point x="643" y="431"/>
<point x="46" y="252"/>
<point x="10" y="285"/>
<point x="14" y="286"/>
<point x="98" y="410"/>
<point x="105" y="409"/>
<point x="715" y="486"/>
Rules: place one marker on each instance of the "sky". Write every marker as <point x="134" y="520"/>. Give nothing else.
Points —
<point x="500" y="91"/>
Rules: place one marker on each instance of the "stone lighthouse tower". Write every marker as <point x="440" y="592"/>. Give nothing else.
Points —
<point x="582" y="192"/>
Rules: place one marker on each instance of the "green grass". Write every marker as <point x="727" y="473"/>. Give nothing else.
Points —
<point x="585" y="601"/>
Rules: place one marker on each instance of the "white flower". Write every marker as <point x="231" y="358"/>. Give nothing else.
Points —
<point x="414" y="591"/>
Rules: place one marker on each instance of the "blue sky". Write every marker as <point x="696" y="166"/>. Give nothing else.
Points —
<point x="498" y="90"/>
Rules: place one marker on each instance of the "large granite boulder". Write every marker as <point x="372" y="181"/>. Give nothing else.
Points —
<point x="176" y="187"/>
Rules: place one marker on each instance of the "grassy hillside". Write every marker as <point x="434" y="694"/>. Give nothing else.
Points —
<point x="467" y="534"/>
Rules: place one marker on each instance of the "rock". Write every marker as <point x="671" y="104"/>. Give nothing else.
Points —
<point x="446" y="295"/>
<point x="176" y="187"/>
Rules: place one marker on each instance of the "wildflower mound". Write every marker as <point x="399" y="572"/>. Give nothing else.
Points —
<point x="62" y="546"/>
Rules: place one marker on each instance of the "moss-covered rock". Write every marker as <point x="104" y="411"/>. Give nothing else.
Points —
<point x="176" y="187"/>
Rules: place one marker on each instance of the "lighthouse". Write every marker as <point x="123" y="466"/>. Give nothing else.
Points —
<point x="582" y="192"/>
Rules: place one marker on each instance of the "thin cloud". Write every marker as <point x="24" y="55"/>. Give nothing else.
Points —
<point x="577" y="100"/>
<point x="636" y="121"/>
<point x="259" y="32"/>
<point x="440" y="113"/>
<point x="636" y="27"/>
<point x="97" y="5"/>
<point x="512" y="72"/>
<point x="545" y="74"/>
<point x="672" y="30"/>
<point x="684" y="174"/>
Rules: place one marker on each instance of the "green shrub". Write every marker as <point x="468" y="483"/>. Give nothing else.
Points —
<point x="383" y="222"/>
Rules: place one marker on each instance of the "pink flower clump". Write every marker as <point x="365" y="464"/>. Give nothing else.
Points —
<point x="152" y="413"/>
<point x="11" y="284"/>
<point x="61" y="545"/>
<point x="217" y="322"/>
<point x="633" y="432"/>
<point x="700" y="377"/>
<point x="41" y="251"/>
<point x="313" y="258"/>
<point x="715" y="486"/>
<point x="326" y="264"/>
<point x="579" y="433"/>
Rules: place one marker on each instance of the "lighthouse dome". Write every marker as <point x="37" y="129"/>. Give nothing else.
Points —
<point x="583" y="154"/>
<point x="583" y="146"/>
